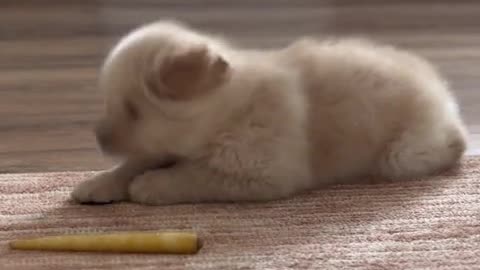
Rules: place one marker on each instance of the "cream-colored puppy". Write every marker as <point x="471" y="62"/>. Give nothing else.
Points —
<point x="197" y="120"/>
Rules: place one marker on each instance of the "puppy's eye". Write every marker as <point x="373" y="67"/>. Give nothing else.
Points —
<point x="132" y="110"/>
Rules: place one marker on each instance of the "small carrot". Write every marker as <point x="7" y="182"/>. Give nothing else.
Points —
<point x="137" y="242"/>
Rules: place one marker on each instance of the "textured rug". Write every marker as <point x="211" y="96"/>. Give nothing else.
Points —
<point x="425" y="224"/>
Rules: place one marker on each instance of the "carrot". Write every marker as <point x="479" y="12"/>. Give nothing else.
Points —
<point x="137" y="242"/>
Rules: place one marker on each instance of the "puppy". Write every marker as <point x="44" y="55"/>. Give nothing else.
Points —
<point x="195" y="119"/>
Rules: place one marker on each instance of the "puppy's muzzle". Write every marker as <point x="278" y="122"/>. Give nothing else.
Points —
<point x="104" y="135"/>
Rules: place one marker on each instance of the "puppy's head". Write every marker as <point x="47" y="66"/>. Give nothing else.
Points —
<point x="160" y="83"/>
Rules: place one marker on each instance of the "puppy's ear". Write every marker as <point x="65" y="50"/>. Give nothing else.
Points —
<point x="188" y="73"/>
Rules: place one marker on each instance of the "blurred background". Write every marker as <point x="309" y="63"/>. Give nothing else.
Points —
<point x="51" y="51"/>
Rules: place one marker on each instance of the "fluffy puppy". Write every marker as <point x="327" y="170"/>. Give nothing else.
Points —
<point x="196" y="120"/>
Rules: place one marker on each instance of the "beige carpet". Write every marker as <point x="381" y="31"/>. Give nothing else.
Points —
<point x="426" y="224"/>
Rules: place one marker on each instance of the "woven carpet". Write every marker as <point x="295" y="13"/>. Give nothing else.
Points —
<point x="424" y="224"/>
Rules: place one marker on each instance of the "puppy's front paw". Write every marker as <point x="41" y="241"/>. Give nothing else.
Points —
<point x="103" y="188"/>
<point x="151" y="188"/>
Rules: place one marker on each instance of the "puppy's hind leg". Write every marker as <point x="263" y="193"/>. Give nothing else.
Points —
<point x="422" y="151"/>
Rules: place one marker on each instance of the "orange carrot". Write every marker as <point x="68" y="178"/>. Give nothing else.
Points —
<point x="137" y="242"/>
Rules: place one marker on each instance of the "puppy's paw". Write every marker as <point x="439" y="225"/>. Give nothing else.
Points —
<point x="151" y="188"/>
<point x="103" y="188"/>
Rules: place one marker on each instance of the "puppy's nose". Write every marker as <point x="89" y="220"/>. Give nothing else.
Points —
<point x="103" y="134"/>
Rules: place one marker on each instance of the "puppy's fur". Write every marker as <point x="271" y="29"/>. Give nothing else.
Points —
<point x="260" y="125"/>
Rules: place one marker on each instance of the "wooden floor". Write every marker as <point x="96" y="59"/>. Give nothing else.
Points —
<point x="50" y="52"/>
